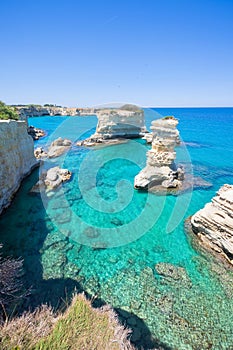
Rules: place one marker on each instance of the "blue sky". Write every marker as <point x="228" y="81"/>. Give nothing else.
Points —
<point x="85" y="53"/>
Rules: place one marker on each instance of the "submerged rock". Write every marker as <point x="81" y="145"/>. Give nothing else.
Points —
<point x="176" y="273"/>
<point x="160" y="171"/>
<point x="214" y="223"/>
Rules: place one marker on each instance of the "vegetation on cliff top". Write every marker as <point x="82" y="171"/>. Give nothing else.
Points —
<point x="80" y="327"/>
<point x="131" y="108"/>
<point x="169" y="117"/>
<point x="7" y="112"/>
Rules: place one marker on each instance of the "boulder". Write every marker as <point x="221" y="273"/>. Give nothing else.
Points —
<point x="51" y="179"/>
<point x="59" y="147"/>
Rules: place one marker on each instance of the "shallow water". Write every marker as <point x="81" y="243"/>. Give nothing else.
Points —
<point x="60" y="238"/>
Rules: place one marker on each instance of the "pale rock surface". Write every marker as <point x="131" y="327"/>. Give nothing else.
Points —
<point x="51" y="179"/>
<point x="160" y="171"/>
<point x="117" y="124"/>
<point x="34" y="111"/>
<point x="214" y="223"/>
<point x="16" y="158"/>
<point x="120" y="123"/>
<point x="58" y="147"/>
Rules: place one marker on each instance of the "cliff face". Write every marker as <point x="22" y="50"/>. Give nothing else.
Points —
<point x="34" y="111"/>
<point x="16" y="158"/>
<point x="214" y="223"/>
<point x="119" y="124"/>
<point x="160" y="171"/>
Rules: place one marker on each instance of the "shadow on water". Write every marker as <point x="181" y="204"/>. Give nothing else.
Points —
<point x="24" y="228"/>
<point x="23" y="231"/>
<point x="140" y="336"/>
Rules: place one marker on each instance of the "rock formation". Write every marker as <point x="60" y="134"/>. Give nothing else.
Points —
<point x="51" y="179"/>
<point x="160" y="172"/>
<point x="58" y="147"/>
<point x="214" y="223"/>
<point x="117" y="124"/>
<point x="35" y="111"/>
<point x="35" y="133"/>
<point x="16" y="157"/>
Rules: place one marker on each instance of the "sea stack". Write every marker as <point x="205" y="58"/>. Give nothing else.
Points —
<point x="126" y="122"/>
<point x="214" y="223"/>
<point x="161" y="173"/>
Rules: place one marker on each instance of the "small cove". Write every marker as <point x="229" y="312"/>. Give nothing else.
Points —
<point x="193" y="311"/>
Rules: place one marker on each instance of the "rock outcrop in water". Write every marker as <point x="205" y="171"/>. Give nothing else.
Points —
<point x="214" y="223"/>
<point x="57" y="148"/>
<point x="116" y="124"/>
<point x="51" y="179"/>
<point x="16" y="157"/>
<point x="160" y="172"/>
<point x="35" y="133"/>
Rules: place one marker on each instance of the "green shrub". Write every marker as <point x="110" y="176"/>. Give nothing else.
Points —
<point x="7" y="112"/>
<point x="169" y="117"/>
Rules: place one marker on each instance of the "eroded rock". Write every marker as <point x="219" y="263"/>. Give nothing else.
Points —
<point x="160" y="171"/>
<point x="115" y="125"/>
<point x="16" y="157"/>
<point x="59" y="147"/>
<point x="214" y="223"/>
<point x="51" y="179"/>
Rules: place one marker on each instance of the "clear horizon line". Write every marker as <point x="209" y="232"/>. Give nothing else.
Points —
<point x="187" y="106"/>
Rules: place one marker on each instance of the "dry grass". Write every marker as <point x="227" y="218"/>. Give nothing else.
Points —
<point x="80" y="328"/>
<point x="23" y="332"/>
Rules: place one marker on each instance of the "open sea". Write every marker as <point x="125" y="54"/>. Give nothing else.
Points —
<point x="99" y="235"/>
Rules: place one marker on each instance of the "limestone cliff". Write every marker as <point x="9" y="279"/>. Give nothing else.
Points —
<point x="117" y="124"/>
<point x="34" y="111"/>
<point x="214" y="223"/>
<point x="160" y="171"/>
<point x="16" y="158"/>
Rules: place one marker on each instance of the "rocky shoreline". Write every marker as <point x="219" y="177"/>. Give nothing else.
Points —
<point x="38" y="111"/>
<point x="213" y="224"/>
<point x="17" y="158"/>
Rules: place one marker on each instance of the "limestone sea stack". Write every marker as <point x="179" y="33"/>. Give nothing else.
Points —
<point x="16" y="158"/>
<point x="161" y="173"/>
<point x="214" y="223"/>
<point x="126" y="122"/>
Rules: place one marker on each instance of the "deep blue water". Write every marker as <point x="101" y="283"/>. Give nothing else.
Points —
<point x="60" y="238"/>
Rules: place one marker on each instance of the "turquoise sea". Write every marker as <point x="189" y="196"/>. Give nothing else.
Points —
<point x="99" y="235"/>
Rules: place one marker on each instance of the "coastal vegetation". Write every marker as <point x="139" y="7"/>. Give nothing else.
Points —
<point x="10" y="284"/>
<point x="79" y="327"/>
<point x="131" y="108"/>
<point x="7" y="112"/>
<point x="169" y="117"/>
